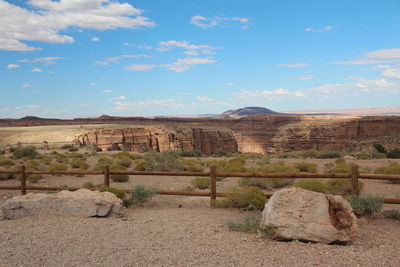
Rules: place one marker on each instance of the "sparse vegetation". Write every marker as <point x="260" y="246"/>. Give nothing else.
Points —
<point x="329" y="154"/>
<point x="366" y="206"/>
<point x="88" y="185"/>
<point x="342" y="186"/>
<point x="58" y="167"/>
<point x="306" y="167"/>
<point x="392" y="214"/>
<point x="7" y="163"/>
<point x="34" y="178"/>
<point x="394" y="154"/>
<point x="393" y="168"/>
<point x="141" y="194"/>
<point x="164" y="161"/>
<point x="247" y="224"/>
<point x="190" y="153"/>
<point x="201" y="182"/>
<point x="25" y="152"/>
<point x="246" y="198"/>
<point x="116" y="191"/>
<point x="66" y="146"/>
<point x="312" y="185"/>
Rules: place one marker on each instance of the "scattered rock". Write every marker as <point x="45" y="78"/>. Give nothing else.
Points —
<point x="299" y="214"/>
<point x="84" y="202"/>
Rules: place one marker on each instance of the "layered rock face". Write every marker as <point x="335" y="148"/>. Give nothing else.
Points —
<point x="141" y="139"/>
<point x="300" y="214"/>
<point x="84" y="203"/>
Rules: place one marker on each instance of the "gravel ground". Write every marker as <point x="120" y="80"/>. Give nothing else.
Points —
<point x="162" y="234"/>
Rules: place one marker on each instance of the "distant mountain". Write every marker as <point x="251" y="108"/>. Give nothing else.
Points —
<point x="242" y="112"/>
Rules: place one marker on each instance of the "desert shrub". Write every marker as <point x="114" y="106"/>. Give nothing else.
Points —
<point x="288" y="155"/>
<point x="46" y="160"/>
<point x="88" y="185"/>
<point x="340" y="166"/>
<point x="366" y="206"/>
<point x="164" y="161"/>
<point x="73" y="149"/>
<point x="380" y="148"/>
<point x="66" y="146"/>
<point x="120" y="193"/>
<point x="247" y="224"/>
<point x="34" y="178"/>
<point x="220" y="154"/>
<point x="193" y="168"/>
<point x="140" y="166"/>
<point x="102" y="162"/>
<point x="141" y="194"/>
<point x="201" y="182"/>
<point x="262" y="183"/>
<point x="28" y="152"/>
<point x="58" y="167"/>
<point x="190" y="153"/>
<point x="306" y="167"/>
<point x="394" y="154"/>
<point x="76" y="163"/>
<point x="311" y="153"/>
<point x="370" y="153"/>
<point x="61" y="158"/>
<point x="247" y="198"/>
<point x="392" y="214"/>
<point x="119" y="178"/>
<point x="33" y="165"/>
<point x="342" y="186"/>
<point x="393" y="168"/>
<point x="263" y="161"/>
<point x="329" y="154"/>
<point x="6" y="163"/>
<point x="312" y="185"/>
<point x="279" y="167"/>
<point x="124" y="161"/>
<point x="76" y="155"/>
<point x="252" y="155"/>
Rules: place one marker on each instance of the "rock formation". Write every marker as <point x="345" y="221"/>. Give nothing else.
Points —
<point x="141" y="139"/>
<point x="295" y="213"/>
<point x="83" y="202"/>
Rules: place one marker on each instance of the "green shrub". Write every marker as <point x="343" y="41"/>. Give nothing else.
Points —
<point x="28" y="152"/>
<point x="312" y="185"/>
<point x="34" y="178"/>
<point x="76" y="155"/>
<point x="340" y="166"/>
<point x="306" y="167"/>
<point x="140" y="166"/>
<point x="102" y="162"/>
<point x="311" y="153"/>
<point x="342" y="186"/>
<point x="328" y="154"/>
<point x="33" y="165"/>
<point x="124" y="161"/>
<point x="394" y="154"/>
<point x="140" y="194"/>
<point x="380" y="148"/>
<point x="262" y="183"/>
<point x="366" y="205"/>
<point x="247" y="198"/>
<point x="164" y="161"/>
<point x="6" y="163"/>
<point x="393" y="168"/>
<point x="119" y="178"/>
<point x="133" y="156"/>
<point x="73" y="149"/>
<point x="58" y="167"/>
<point x="247" y="224"/>
<point x="116" y="191"/>
<point x="66" y="146"/>
<point x="79" y="164"/>
<point x="194" y="168"/>
<point x="46" y="160"/>
<point x="201" y="182"/>
<point x="220" y="154"/>
<point x="88" y="185"/>
<point x="190" y="153"/>
<point x="392" y="214"/>
<point x="279" y="167"/>
<point x="252" y="155"/>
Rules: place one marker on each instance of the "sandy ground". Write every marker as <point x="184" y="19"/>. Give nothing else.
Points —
<point x="162" y="234"/>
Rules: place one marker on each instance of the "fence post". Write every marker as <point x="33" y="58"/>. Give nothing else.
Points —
<point x="23" y="180"/>
<point x="213" y="188"/>
<point x="354" y="180"/>
<point x="107" y="175"/>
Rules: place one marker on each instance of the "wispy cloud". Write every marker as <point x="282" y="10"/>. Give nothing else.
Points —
<point x="119" y="98"/>
<point x="117" y="59"/>
<point x="12" y="66"/>
<point x="211" y="22"/>
<point x="26" y="85"/>
<point x="47" y="60"/>
<point x="106" y="91"/>
<point x="184" y="64"/>
<point x="95" y="39"/>
<point x="150" y="104"/>
<point x="140" y="67"/>
<point x="327" y="28"/>
<point x="55" y="16"/>
<point x="36" y="70"/>
<point x="205" y="99"/>
<point x="184" y="44"/>
<point x="294" y="65"/>
<point x="383" y="56"/>
<point x="306" y="77"/>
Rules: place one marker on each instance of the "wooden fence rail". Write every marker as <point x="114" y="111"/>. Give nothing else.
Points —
<point x="213" y="174"/>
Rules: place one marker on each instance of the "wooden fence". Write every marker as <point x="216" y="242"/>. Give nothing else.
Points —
<point x="213" y="194"/>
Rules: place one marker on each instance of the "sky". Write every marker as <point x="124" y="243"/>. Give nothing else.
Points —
<point x="84" y="58"/>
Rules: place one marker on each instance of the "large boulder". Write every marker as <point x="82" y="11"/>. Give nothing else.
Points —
<point x="295" y="213"/>
<point x="83" y="202"/>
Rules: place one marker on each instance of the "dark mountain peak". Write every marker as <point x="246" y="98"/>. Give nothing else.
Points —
<point x="246" y="111"/>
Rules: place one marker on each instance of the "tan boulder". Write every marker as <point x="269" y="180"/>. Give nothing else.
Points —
<point x="82" y="202"/>
<point x="295" y="213"/>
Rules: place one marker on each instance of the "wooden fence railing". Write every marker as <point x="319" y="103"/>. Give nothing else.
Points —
<point x="213" y="194"/>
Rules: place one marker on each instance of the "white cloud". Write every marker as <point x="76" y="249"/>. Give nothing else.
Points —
<point x="92" y="84"/>
<point x="208" y="52"/>
<point x="184" y="44"/>
<point x="306" y="77"/>
<point x="150" y="104"/>
<point x="267" y="94"/>
<point x="211" y="22"/>
<point x="184" y="93"/>
<point x="95" y="39"/>
<point x="101" y="63"/>
<point x="184" y="64"/>
<point x="382" y="67"/>
<point x="327" y="28"/>
<point x="5" y="109"/>
<point x="391" y="73"/>
<point x="107" y="91"/>
<point x="230" y="84"/>
<point x="12" y="66"/>
<point x="49" y="18"/>
<point x="86" y="105"/>
<point x="27" y="107"/>
<point x="119" y="98"/>
<point x="163" y="49"/>
<point x="205" y="99"/>
<point x="294" y="65"/>
<point x="383" y="56"/>
<point x="191" y="53"/>
<point x="36" y="70"/>
<point x="146" y="47"/>
<point x="47" y="60"/>
<point x="26" y="85"/>
<point x="117" y="59"/>
<point x="140" y="67"/>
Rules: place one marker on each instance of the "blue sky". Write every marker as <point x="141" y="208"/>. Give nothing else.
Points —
<point x="75" y="58"/>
